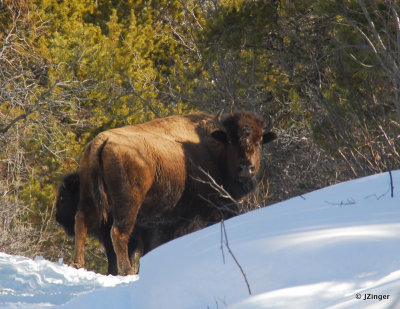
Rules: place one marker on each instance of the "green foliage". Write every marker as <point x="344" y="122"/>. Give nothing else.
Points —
<point x="241" y="25"/>
<point x="121" y="46"/>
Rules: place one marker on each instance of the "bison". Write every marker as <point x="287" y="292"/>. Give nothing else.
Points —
<point x="143" y="239"/>
<point x="152" y="181"/>
<point x="66" y="208"/>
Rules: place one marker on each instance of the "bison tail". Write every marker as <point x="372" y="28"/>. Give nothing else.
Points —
<point x="99" y="188"/>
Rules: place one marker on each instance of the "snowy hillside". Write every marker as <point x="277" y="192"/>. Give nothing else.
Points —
<point x="325" y="249"/>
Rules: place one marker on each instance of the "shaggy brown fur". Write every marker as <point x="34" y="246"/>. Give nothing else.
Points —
<point x="66" y="208"/>
<point x="151" y="171"/>
<point x="152" y="232"/>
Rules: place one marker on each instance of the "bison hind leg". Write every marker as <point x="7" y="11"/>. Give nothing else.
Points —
<point x="126" y="244"/>
<point x="120" y="238"/>
<point x="127" y="180"/>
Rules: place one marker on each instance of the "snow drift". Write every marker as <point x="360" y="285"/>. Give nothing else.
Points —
<point x="337" y="247"/>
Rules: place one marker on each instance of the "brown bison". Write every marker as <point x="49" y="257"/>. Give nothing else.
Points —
<point x="141" y="174"/>
<point x="144" y="238"/>
<point x="66" y="208"/>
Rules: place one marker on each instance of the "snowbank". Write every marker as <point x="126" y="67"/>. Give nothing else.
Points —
<point x="337" y="247"/>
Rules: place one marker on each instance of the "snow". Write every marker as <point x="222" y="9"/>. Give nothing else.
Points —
<point x="320" y="250"/>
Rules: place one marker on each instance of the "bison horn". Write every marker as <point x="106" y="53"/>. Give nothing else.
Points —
<point x="219" y="115"/>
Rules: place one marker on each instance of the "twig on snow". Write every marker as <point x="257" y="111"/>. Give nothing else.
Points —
<point x="391" y="183"/>
<point x="224" y="235"/>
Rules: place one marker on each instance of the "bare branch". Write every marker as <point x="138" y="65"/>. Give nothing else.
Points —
<point x="221" y="192"/>
<point x="391" y="184"/>
<point x="372" y="46"/>
<point x="360" y="62"/>
<point x="397" y="26"/>
<point x="372" y="25"/>
<point x="233" y="256"/>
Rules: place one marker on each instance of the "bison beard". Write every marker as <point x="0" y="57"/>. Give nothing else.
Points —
<point x="147" y="173"/>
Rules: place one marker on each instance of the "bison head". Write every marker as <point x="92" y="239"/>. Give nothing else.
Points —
<point x="67" y="202"/>
<point x="242" y="135"/>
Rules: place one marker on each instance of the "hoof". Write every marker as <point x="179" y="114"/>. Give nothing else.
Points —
<point x="77" y="265"/>
<point x="127" y="272"/>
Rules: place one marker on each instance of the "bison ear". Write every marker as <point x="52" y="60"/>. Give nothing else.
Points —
<point x="269" y="137"/>
<point x="220" y="136"/>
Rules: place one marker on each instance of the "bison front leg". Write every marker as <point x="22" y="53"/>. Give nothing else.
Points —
<point x="124" y="222"/>
<point x="135" y="260"/>
<point x="136" y="252"/>
<point x="135" y="248"/>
